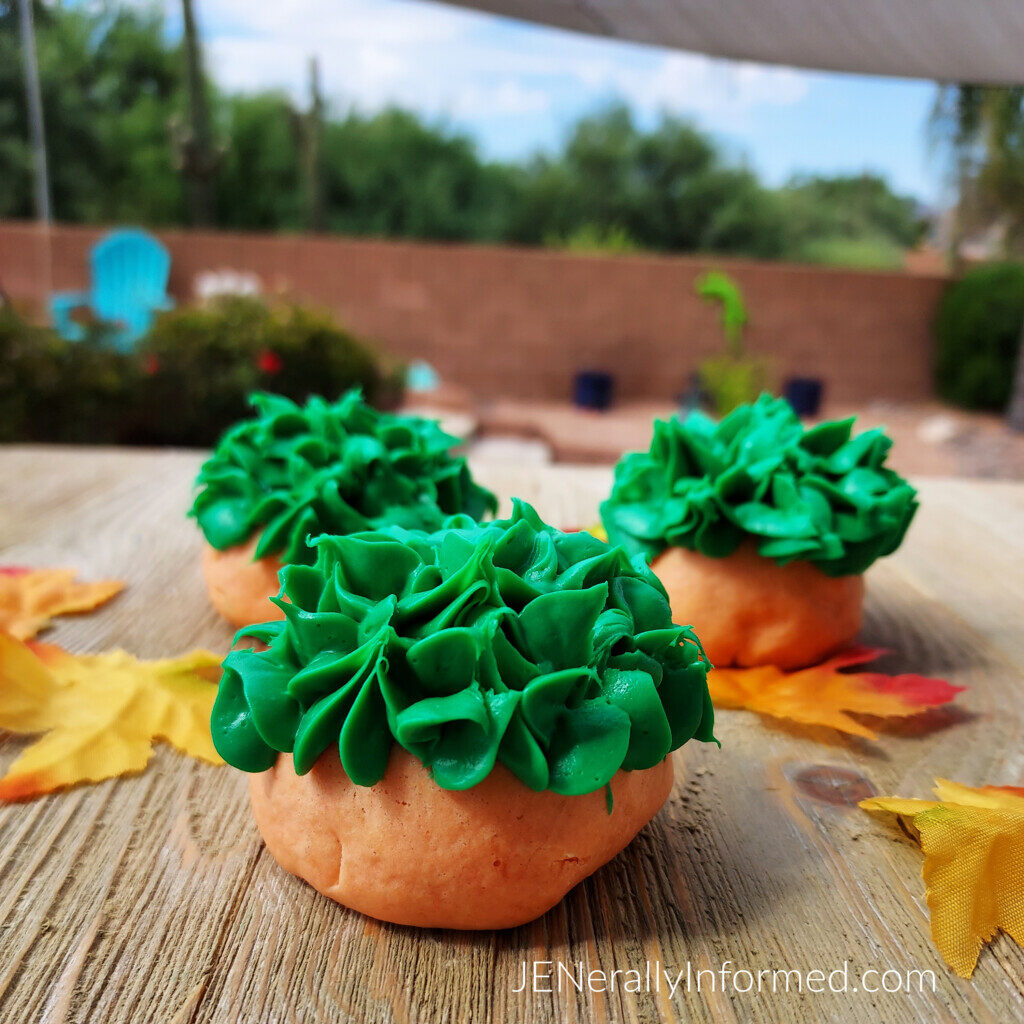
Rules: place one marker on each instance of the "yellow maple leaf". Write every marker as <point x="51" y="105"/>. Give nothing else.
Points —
<point x="99" y="713"/>
<point x="973" y="843"/>
<point x="29" y="598"/>
<point x="824" y="695"/>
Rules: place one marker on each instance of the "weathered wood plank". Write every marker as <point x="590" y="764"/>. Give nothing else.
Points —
<point x="151" y="898"/>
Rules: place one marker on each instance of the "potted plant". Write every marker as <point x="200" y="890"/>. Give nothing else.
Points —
<point x="733" y="378"/>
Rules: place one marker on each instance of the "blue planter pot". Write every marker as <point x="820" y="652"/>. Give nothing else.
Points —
<point x="804" y="394"/>
<point x="593" y="389"/>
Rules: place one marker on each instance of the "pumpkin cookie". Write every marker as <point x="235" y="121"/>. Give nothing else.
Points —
<point x="761" y="530"/>
<point x="293" y="472"/>
<point x="453" y="729"/>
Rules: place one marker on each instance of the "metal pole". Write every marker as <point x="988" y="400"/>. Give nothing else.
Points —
<point x="35" y="113"/>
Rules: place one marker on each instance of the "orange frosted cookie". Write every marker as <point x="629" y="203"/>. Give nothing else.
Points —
<point x="406" y="850"/>
<point x="750" y="611"/>
<point x="240" y="585"/>
<point x="292" y="472"/>
<point x="760" y="530"/>
<point x="454" y="729"/>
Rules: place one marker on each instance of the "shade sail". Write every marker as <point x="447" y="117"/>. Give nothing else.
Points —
<point x="949" y="40"/>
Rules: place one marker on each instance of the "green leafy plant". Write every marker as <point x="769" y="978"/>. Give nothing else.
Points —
<point x="55" y="391"/>
<point x="189" y="378"/>
<point x="977" y="333"/>
<point x="734" y="378"/>
<point x="22" y="352"/>
<point x="201" y="362"/>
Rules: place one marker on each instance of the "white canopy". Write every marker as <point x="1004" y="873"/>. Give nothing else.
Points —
<point x="980" y="41"/>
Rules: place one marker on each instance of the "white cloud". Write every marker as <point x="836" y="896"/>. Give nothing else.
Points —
<point x="469" y="67"/>
<point x="708" y="85"/>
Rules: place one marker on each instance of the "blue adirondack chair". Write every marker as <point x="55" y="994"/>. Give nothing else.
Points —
<point x="129" y="270"/>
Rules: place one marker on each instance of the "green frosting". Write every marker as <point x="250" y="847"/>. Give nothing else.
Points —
<point x="820" y="495"/>
<point x="511" y="641"/>
<point x="342" y="467"/>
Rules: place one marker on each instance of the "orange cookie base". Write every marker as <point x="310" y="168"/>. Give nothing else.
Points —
<point x="493" y="856"/>
<point x="239" y="587"/>
<point x="749" y="611"/>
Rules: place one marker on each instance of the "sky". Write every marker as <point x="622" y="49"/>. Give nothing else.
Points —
<point x="517" y="88"/>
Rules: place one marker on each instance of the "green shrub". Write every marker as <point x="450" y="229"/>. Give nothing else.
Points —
<point x="53" y="390"/>
<point x="871" y="252"/>
<point x="200" y="363"/>
<point x="977" y="331"/>
<point x="23" y="351"/>
<point x="188" y="379"/>
<point x="594" y="239"/>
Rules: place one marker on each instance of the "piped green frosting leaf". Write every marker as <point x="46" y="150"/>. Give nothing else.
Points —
<point x="329" y="467"/>
<point x="437" y="642"/>
<point x="819" y="495"/>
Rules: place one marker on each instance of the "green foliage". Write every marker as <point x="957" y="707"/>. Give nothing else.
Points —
<point x="386" y="175"/>
<point x="111" y="85"/>
<point x="203" y="362"/>
<point x="23" y="353"/>
<point x="979" y="131"/>
<point x="721" y="288"/>
<point x="258" y="187"/>
<point x="849" y="221"/>
<point x="732" y="379"/>
<point x="52" y="390"/>
<point x="849" y="208"/>
<point x="392" y="175"/>
<point x="978" y="332"/>
<point x="667" y="189"/>
<point x="187" y="381"/>
<point x="113" y="90"/>
<point x="589" y="238"/>
<point x="866" y="253"/>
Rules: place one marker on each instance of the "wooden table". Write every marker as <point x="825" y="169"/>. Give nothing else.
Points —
<point x="152" y="899"/>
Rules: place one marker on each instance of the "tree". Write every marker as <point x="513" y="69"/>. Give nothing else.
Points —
<point x="856" y="220"/>
<point x="258" y="185"/>
<point x="392" y="175"/>
<point x="980" y="130"/>
<point x="667" y="189"/>
<point x="196" y="155"/>
<point x="114" y="85"/>
<point x="109" y="86"/>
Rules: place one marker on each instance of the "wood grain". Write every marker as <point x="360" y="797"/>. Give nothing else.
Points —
<point x="151" y="899"/>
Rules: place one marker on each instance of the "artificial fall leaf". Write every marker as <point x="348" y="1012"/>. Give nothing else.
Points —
<point x="973" y="843"/>
<point x="29" y="598"/>
<point x="823" y="695"/>
<point x="99" y="713"/>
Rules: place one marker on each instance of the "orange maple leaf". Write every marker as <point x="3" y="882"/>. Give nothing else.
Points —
<point x="29" y="598"/>
<point x="973" y="843"/>
<point x="100" y="713"/>
<point x="823" y="695"/>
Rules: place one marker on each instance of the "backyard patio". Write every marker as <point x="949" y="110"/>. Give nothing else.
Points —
<point x="868" y="337"/>
<point x="538" y="586"/>
<point x="930" y="439"/>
